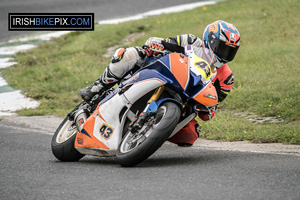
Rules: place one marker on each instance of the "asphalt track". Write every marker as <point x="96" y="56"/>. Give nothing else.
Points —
<point x="28" y="170"/>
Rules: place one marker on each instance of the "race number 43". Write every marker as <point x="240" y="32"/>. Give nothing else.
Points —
<point x="106" y="131"/>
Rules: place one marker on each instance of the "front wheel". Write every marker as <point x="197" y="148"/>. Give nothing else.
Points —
<point x="63" y="140"/>
<point x="136" y="147"/>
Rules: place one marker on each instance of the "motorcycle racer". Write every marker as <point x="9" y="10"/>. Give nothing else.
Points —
<point x="222" y="37"/>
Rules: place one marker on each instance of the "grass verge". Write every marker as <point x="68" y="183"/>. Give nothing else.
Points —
<point x="265" y="68"/>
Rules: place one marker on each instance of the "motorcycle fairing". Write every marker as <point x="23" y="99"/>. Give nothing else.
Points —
<point x="86" y="141"/>
<point x="100" y="135"/>
<point x="207" y="96"/>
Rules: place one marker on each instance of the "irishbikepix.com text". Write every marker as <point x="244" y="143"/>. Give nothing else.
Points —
<point x="50" y="21"/>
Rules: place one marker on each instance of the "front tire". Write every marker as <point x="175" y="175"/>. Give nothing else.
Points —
<point x="63" y="141"/>
<point x="137" y="147"/>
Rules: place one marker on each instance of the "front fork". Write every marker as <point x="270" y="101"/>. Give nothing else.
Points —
<point x="139" y="122"/>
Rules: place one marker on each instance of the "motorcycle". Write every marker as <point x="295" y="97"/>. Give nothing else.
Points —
<point x="132" y="121"/>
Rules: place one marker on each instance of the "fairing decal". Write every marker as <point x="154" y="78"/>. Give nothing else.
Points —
<point x="85" y="133"/>
<point x="207" y="96"/>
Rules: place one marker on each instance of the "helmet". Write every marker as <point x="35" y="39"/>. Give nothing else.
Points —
<point x="223" y="38"/>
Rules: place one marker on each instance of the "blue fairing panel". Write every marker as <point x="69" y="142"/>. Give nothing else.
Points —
<point x="160" y="70"/>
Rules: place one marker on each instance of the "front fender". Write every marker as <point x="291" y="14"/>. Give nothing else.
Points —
<point x="153" y="106"/>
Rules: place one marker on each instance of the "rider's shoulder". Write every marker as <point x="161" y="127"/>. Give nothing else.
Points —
<point x="186" y="39"/>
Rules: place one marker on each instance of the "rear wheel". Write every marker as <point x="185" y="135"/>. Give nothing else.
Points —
<point x="136" y="147"/>
<point x="63" y="140"/>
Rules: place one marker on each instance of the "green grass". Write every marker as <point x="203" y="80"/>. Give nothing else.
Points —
<point x="228" y="127"/>
<point x="266" y="67"/>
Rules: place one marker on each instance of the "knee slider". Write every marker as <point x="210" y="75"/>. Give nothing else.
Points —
<point x="118" y="55"/>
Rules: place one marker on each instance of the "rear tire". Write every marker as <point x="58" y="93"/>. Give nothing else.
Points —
<point x="135" y="148"/>
<point x="63" y="141"/>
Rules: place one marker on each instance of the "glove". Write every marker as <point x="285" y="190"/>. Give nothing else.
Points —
<point x="156" y="46"/>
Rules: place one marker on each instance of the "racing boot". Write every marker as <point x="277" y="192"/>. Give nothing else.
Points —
<point x="102" y="84"/>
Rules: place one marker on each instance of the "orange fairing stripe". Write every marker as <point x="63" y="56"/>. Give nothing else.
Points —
<point x="85" y="141"/>
<point x="208" y="96"/>
<point x="180" y="69"/>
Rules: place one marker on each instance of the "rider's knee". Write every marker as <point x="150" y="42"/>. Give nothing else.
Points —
<point x="124" y="60"/>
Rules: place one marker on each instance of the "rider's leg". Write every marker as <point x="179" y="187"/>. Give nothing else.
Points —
<point x="187" y="135"/>
<point x="106" y="81"/>
<point x="123" y="61"/>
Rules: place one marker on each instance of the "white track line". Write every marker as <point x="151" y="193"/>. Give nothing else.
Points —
<point x="151" y="13"/>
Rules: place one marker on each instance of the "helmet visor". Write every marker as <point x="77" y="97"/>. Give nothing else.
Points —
<point x="224" y="51"/>
<point x="221" y="49"/>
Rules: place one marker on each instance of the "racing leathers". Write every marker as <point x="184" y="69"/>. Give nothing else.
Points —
<point x="128" y="60"/>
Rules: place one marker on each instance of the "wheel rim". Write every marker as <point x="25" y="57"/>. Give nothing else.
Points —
<point x="133" y="140"/>
<point x="66" y="131"/>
